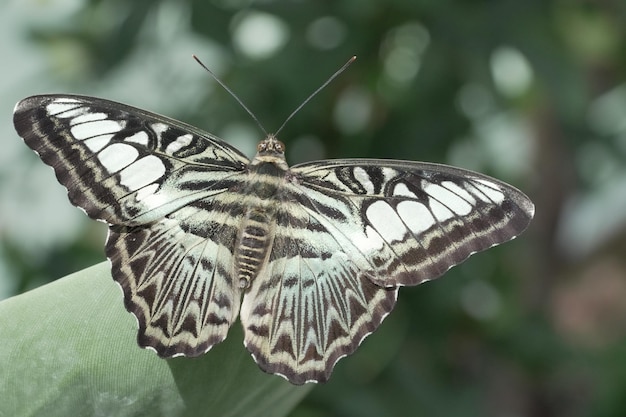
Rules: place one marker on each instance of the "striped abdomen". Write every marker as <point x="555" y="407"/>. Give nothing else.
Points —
<point x="254" y="244"/>
<point x="257" y="229"/>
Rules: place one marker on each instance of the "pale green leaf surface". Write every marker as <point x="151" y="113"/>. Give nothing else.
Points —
<point x="69" y="348"/>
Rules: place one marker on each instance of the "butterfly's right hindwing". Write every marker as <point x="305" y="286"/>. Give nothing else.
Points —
<point x="124" y="165"/>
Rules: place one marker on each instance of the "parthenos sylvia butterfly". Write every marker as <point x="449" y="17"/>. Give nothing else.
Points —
<point x="310" y="257"/>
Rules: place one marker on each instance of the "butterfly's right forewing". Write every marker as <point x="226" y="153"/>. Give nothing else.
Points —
<point x="169" y="194"/>
<point x="121" y="164"/>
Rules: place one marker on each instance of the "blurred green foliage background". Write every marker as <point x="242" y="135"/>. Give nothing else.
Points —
<point x="531" y="92"/>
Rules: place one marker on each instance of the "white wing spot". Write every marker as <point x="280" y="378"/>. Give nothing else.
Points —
<point x="416" y="216"/>
<point x="448" y="199"/>
<point x="117" y="156"/>
<point x="388" y="174"/>
<point x="441" y="212"/>
<point x="143" y="172"/>
<point x="159" y="128"/>
<point x="88" y="117"/>
<point x="57" y="107"/>
<point x="96" y="128"/>
<point x="386" y="222"/>
<point x="401" y="190"/>
<point x="140" y="138"/>
<point x="362" y="177"/>
<point x="97" y="143"/>
<point x="489" y="191"/>
<point x="458" y="190"/>
<point x="179" y="143"/>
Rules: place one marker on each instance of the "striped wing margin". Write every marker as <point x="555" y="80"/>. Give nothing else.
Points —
<point x="163" y="187"/>
<point x="348" y="234"/>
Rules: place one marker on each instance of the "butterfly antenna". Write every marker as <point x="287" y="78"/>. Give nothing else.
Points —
<point x="225" y="87"/>
<point x="332" y="77"/>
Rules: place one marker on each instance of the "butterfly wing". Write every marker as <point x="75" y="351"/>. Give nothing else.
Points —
<point x="348" y="233"/>
<point x="410" y="222"/>
<point x="164" y="187"/>
<point x="124" y="165"/>
<point x="313" y="303"/>
<point x="177" y="278"/>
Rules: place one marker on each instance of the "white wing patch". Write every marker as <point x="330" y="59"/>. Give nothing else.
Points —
<point x="99" y="127"/>
<point x="87" y="117"/>
<point x="68" y="106"/>
<point x="385" y="220"/>
<point x="459" y="191"/>
<point x="117" y="156"/>
<point x="401" y="190"/>
<point x="362" y="177"/>
<point x="441" y="212"/>
<point x="145" y="192"/>
<point x="416" y="216"/>
<point x="159" y="128"/>
<point x="369" y="242"/>
<point x="140" y="138"/>
<point x="490" y="192"/>
<point x="96" y="143"/>
<point x="179" y="143"/>
<point x="447" y="198"/>
<point x="143" y="172"/>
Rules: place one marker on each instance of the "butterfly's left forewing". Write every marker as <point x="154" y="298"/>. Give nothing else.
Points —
<point x="169" y="194"/>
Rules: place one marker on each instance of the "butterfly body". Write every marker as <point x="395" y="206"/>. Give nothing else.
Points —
<point x="310" y="257"/>
<point x="261" y="199"/>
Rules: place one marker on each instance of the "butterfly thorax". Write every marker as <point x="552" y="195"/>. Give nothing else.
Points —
<point x="266" y="174"/>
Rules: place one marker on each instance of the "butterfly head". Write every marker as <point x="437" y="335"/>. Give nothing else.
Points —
<point x="270" y="146"/>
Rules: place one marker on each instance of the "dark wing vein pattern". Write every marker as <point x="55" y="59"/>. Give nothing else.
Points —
<point x="317" y="251"/>
<point x="315" y="303"/>
<point x="409" y="221"/>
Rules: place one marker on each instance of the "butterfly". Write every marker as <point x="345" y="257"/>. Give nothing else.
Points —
<point x="309" y="257"/>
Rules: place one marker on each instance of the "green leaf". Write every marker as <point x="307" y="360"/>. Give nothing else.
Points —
<point x="69" y="348"/>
